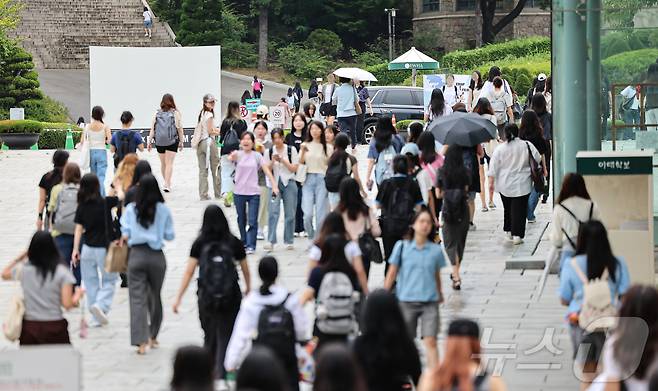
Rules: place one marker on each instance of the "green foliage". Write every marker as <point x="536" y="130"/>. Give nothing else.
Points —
<point x="30" y="126"/>
<point x="426" y="41"/>
<point x="629" y="67"/>
<point x="9" y="14"/>
<point x="625" y="41"/>
<point x="366" y="58"/>
<point x="18" y="80"/>
<point x="303" y="62"/>
<point x="467" y="60"/>
<point x="620" y="13"/>
<point x="46" y="109"/>
<point x="404" y="124"/>
<point x="521" y="71"/>
<point x="386" y="77"/>
<point x="324" y="42"/>
<point x="56" y="138"/>
<point x="239" y="54"/>
<point x="208" y="22"/>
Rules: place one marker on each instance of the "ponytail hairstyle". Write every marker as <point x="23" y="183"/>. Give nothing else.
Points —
<point x="511" y="132"/>
<point x="268" y="270"/>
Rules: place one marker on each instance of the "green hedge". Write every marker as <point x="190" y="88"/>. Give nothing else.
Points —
<point x="467" y="60"/>
<point x="56" y="138"/>
<point x="404" y="124"/>
<point x="386" y="77"/>
<point x="521" y="71"/>
<point x="303" y="62"/>
<point x="629" y="67"/>
<point x="624" y="41"/>
<point x="29" y="126"/>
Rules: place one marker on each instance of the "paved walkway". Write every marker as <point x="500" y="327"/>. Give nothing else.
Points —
<point x="502" y="301"/>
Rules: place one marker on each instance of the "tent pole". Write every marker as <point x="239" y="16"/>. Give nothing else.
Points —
<point x="413" y="77"/>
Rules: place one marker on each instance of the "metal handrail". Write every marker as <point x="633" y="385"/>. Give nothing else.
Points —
<point x="168" y="29"/>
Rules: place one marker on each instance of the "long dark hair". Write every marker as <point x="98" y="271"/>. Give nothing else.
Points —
<point x="411" y="233"/>
<point x="384" y="131"/>
<point x="337" y="370"/>
<point x="245" y="95"/>
<point x="639" y="302"/>
<point x="43" y="254"/>
<point x="167" y="102"/>
<point x="193" y="369"/>
<point x="351" y="200"/>
<point x="261" y="370"/>
<point x="333" y="256"/>
<point x="494" y="72"/>
<point x="593" y="242"/>
<point x="483" y="106"/>
<point x="332" y="224"/>
<point x="530" y="126"/>
<point x="573" y="185"/>
<point x="341" y="142"/>
<point x="511" y="132"/>
<point x="539" y="103"/>
<point x="304" y="129"/>
<point x="307" y="109"/>
<point x="143" y="167"/>
<point x="146" y="200"/>
<point x="476" y="85"/>
<point x="204" y="109"/>
<point x="268" y="271"/>
<point x="309" y="137"/>
<point x="453" y="170"/>
<point x="215" y="226"/>
<point x="427" y="145"/>
<point x="415" y="129"/>
<point x="232" y="111"/>
<point x="90" y="188"/>
<point x="437" y="102"/>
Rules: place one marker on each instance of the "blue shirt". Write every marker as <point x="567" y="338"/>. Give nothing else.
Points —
<point x="396" y="141"/>
<point x="416" y="279"/>
<point x="162" y="228"/>
<point x="116" y="138"/>
<point x="571" y="286"/>
<point x="344" y="96"/>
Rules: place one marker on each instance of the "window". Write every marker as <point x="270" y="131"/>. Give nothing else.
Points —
<point x="418" y="97"/>
<point x="398" y="98"/>
<point x="431" y="5"/>
<point x="465" y="5"/>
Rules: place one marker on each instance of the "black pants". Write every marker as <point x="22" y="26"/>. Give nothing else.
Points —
<point x="217" y="329"/>
<point x="516" y="212"/>
<point x="299" y="214"/>
<point x="389" y="242"/>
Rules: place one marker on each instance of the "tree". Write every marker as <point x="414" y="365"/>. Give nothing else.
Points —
<point x="9" y="14"/>
<point x="19" y="82"/>
<point x="488" y="11"/>
<point x="620" y="13"/>
<point x="208" y="22"/>
<point x="325" y="42"/>
<point x="262" y="8"/>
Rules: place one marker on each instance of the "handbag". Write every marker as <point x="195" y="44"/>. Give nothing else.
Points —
<point x="536" y="173"/>
<point x="116" y="259"/>
<point x="13" y="324"/>
<point x="357" y="106"/>
<point x="369" y="245"/>
<point x="300" y="175"/>
<point x="85" y="152"/>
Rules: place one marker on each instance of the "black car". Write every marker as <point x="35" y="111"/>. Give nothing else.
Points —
<point x="404" y="102"/>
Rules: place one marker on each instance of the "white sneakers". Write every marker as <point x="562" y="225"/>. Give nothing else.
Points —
<point x="268" y="247"/>
<point x="516" y="240"/>
<point x="98" y="313"/>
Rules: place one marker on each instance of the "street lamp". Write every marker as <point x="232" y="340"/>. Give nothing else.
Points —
<point x="391" y="32"/>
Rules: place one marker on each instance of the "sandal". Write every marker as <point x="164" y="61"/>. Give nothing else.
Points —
<point x="456" y="284"/>
<point x="141" y="350"/>
<point x="485" y="209"/>
<point x="153" y="343"/>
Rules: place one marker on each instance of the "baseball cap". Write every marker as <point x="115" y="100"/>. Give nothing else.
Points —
<point x="209" y="98"/>
<point x="541" y="77"/>
<point x="411" y="148"/>
<point x="262" y="110"/>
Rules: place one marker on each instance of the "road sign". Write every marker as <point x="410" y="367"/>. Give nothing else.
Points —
<point x="252" y="104"/>
<point x="277" y="115"/>
<point x="244" y="113"/>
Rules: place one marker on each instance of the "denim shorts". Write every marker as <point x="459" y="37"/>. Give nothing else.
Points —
<point x="148" y="24"/>
<point x="428" y="312"/>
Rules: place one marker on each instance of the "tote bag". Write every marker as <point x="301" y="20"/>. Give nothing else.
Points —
<point x="13" y="324"/>
<point x="85" y="151"/>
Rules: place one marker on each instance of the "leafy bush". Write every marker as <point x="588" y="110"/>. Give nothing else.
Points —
<point x="386" y="77"/>
<point x="467" y="60"/>
<point x="303" y="62"/>
<point x="366" y="58"/>
<point x="629" y="67"/>
<point x="56" y="138"/>
<point x="624" y="41"/>
<point x="521" y="71"/>
<point x="238" y="54"/>
<point x="404" y="124"/>
<point x="25" y="126"/>
<point x="324" y="42"/>
<point x="45" y="110"/>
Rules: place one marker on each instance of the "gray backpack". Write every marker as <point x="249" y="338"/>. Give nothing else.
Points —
<point x="67" y="204"/>
<point x="500" y="107"/>
<point x="166" y="133"/>
<point x="336" y="304"/>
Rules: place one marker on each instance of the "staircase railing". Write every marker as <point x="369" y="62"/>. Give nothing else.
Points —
<point x="168" y="29"/>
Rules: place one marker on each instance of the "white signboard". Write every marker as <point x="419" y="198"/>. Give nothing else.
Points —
<point x="277" y="115"/>
<point x="51" y="368"/>
<point x="430" y="82"/>
<point x="244" y="113"/>
<point x="17" y="114"/>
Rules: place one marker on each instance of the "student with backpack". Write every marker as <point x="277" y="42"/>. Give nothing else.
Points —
<point x="93" y="234"/>
<point x="337" y="293"/>
<point x="453" y="184"/>
<point x="282" y="160"/>
<point x="451" y="91"/>
<point x="438" y="106"/>
<point x="501" y="101"/>
<point x="341" y="165"/>
<point x="385" y="144"/>
<point x="207" y="153"/>
<point x="167" y="135"/>
<point x="430" y="162"/>
<point x="62" y="207"/>
<point x="126" y="140"/>
<point x="275" y="317"/>
<point x="218" y="294"/>
<point x="257" y="87"/>
<point x="230" y="133"/>
<point x="46" y="184"/>
<point x="584" y="281"/>
<point x="298" y="93"/>
<point x="315" y="153"/>
<point x="573" y="208"/>
<point x="398" y="197"/>
<point x="531" y="131"/>
<point x="416" y="270"/>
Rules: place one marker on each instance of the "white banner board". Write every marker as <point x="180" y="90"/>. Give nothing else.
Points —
<point x="51" y="368"/>
<point x="277" y="115"/>
<point x="136" y="78"/>
<point x="430" y="82"/>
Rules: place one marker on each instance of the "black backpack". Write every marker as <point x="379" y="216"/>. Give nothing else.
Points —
<point x="276" y="330"/>
<point x="399" y="210"/>
<point x="454" y="205"/>
<point x="336" y="171"/>
<point x="313" y="91"/>
<point x="218" y="278"/>
<point x="126" y="146"/>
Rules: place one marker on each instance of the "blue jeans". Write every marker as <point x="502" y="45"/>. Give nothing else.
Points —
<point x="100" y="290"/>
<point x="64" y="244"/>
<point x="334" y="199"/>
<point x="247" y="204"/>
<point x="314" y="202"/>
<point x="631" y="117"/>
<point x="287" y="194"/>
<point x="533" y="200"/>
<point x="98" y="165"/>
<point x="347" y="125"/>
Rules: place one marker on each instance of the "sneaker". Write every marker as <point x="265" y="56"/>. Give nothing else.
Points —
<point x="508" y="235"/>
<point x="290" y="246"/>
<point x="268" y="247"/>
<point x="492" y="205"/>
<point x="166" y="190"/>
<point x="99" y="315"/>
<point x="472" y="227"/>
<point x="533" y="220"/>
<point x="297" y="234"/>
<point x="485" y="209"/>
<point x="250" y="251"/>
<point x="516" y="240"/>
<point x="260" y="235"/>
<point x="303" y="234"/>
<point x="204" y="198"/>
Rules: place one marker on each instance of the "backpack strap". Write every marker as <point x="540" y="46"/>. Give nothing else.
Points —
<point x="579" y="271"/>
<point x="591" y="209"/>
<point x="571" y="242"/>
<point x="289" y="154"/>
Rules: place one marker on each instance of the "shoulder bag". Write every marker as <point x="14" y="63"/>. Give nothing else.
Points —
<point x="369" y="245"/>
<point x="85" y="152"/>
<point x="536" y="173"/>
<point x="13" y="324"/>
<point x="357" y="106"/>
<point x="116" y="259"/>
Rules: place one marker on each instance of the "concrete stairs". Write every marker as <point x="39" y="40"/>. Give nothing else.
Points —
<point x="58" y="33"/>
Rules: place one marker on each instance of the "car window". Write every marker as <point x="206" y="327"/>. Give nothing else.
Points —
<point x="376" y="96"/>
<point x="418" y="97"/>
<point x="398" y="97"/>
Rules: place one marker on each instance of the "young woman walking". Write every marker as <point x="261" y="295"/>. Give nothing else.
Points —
<point x="315" y="155"/>
<point x="145" y="225"/>
<point x="46" y="184"/>
<point x="484" y="109"/>
<point x="341" y="165"/>
<point x="98" y="135"/>
<point x="217" y="324"/>
<point x="295" y="139"/>
<point x="247" y="192"/>
<point x="206" y="152"/>
<point x="430" y="163"/>
<point x="531" y="131"/>
<point x="230" y="134"/>
<point x="384" y="146"/>
<point x="167" y="135"/>
<point x="91" y="219"/>
<point x="282" y="160"/>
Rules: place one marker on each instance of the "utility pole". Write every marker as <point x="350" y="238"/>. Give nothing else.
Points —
<point x="390" y="12"/>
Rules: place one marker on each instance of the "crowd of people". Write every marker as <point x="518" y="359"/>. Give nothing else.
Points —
<point x="358" y="339"/>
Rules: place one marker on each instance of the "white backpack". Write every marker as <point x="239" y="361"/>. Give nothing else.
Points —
<point x="500" y="107"/>
<point x="335" y="309"/>
<point x="597" y="311"/>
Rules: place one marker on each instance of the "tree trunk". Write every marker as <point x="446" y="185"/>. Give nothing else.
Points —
<point x="489" y="29"/>
<point x="262" y="38"/>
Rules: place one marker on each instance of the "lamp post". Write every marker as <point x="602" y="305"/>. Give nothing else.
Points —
<point x="391" y="12"/>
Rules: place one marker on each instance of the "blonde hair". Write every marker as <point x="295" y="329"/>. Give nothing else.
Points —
<point x="126" y="170"/>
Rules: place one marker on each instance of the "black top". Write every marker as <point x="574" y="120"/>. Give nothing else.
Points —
<point x="459" y="181"/>
<point x="317" y="274"/>
<point x="382" y="370"/>
<point x="539" y="143"/>
<point x="387" y="188"/>
<point x="131" y="193"/>
<point x="239" y="125"/>
<point x="546" y="120"/>
<point x="93" y="216"/>
<point x="294" y="141"/>
<point x="49" y="180"/>
<point x="236" y="246"/>
<point x="472" y="164"/>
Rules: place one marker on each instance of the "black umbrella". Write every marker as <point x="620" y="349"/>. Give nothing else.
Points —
<point x="465" y="129"/>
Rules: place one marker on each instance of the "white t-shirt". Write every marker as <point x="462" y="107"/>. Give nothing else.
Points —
<point x="450" y="95"/>
<point x="327" y="92"/>
<point x="279" y="170"/>
<point x="204" y="124"/>
<point x="352" y="251"/>
<point x="630" y="93"/>
<point x="147" y="16"/>
<point x="510" y="167"/>
<point x="612" y="370"/>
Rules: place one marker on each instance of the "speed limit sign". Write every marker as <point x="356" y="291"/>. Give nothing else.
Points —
<point x="277" y="115"/>
<point x="244" y="113"/>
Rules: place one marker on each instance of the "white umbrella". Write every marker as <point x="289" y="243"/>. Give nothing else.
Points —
<point x="355" y="73"/>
